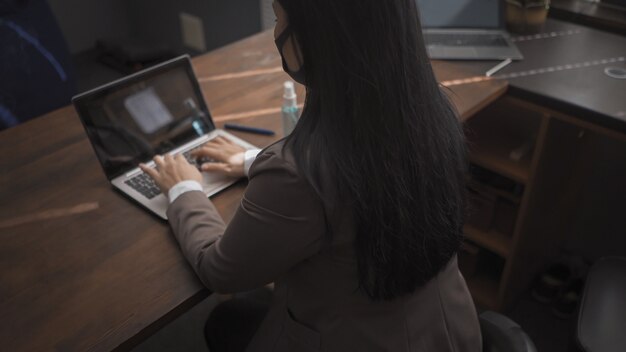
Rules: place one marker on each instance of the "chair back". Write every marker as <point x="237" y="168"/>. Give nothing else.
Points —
<point x="602" y="317"/>
<point x="501" y="334"/>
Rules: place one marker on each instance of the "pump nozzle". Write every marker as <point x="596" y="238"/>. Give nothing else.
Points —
<point x="290" y="90"/>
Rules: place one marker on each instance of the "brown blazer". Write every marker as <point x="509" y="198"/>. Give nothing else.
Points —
<point x="277" y="235"/>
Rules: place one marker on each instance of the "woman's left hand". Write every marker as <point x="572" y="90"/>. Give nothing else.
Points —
<point x="171" y="170"/>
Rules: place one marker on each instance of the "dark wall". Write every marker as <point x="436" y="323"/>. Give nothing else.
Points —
<point x="154" y="21"/>
<point x="84" y="21"/>
<point x="231" y="20"/>
<point x="224" y="21"/>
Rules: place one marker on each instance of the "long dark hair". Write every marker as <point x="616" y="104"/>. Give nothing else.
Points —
<point x="377" y="123"/>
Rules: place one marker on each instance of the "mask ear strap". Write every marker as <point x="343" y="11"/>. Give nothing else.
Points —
<point x="283" y="37"/>
<point x="297" y="49"/>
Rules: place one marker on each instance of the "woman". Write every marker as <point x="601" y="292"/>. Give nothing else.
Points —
<point x="356" y="216"/>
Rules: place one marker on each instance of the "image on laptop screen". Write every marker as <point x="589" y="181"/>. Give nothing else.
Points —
<point x="132" y="122"/>
<point x="459" y="13"/>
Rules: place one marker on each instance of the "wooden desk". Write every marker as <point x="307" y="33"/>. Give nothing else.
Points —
<point x="84" y="269"/>
<point x="577" y="85"/>
<point x="562" y="105"/>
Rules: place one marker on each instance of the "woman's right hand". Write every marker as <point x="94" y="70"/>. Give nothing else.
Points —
<point x="229" y="157"/>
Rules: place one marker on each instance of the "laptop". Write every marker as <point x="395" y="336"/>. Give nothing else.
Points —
<point x="159" y="110"/>
<point x="466" y="30"/>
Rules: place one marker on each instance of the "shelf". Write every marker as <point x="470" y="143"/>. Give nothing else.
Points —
<point x="492" y="240"/>
<point x="492" y="150"/>
<point x="497" y="131"/>
<point x="482" y="187"/>
<point x="484" y="290"/>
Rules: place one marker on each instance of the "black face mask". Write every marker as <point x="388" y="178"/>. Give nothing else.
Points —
<point x="299" y="75"/>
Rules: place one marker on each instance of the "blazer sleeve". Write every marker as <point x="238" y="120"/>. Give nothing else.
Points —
<point x="279" y="223"/>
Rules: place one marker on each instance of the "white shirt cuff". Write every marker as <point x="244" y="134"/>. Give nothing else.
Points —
<point x="183" y="187"/>
<point x="248" y="159"/>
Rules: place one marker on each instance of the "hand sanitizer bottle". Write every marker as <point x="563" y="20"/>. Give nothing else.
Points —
<point x="290" y="108"/>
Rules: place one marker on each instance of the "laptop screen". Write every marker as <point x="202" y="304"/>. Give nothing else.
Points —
<point x="460" y="13"/>
<point x="149" y="113"/>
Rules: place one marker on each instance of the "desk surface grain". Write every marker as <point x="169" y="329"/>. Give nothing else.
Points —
<point x="84" y="269"/>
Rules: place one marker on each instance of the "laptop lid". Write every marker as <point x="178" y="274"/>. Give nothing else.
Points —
<point x="150" y="112"/>
<point x="479" y="14"/>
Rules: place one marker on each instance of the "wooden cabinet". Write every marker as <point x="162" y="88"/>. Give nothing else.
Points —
<point x="524" y="161"/>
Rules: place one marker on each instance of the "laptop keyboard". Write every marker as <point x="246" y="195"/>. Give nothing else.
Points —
<point x="144" y="184"/>
<point x="469" y="39"/>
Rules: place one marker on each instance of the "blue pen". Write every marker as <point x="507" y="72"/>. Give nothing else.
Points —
<point x="231" y="126"/>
